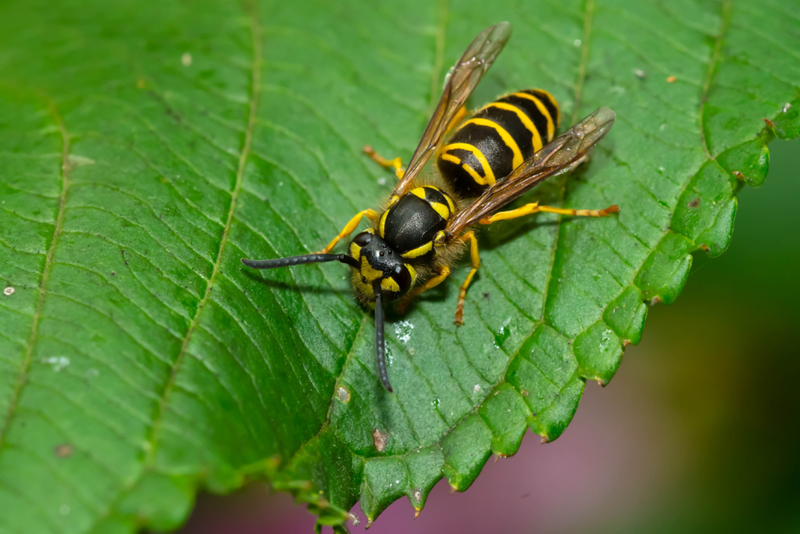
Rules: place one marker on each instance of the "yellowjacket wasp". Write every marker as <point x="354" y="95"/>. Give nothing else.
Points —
<point x="502" y="151"/>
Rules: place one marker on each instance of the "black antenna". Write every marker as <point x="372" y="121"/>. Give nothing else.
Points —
<point x="300" y="260"/>
<point x="380" y="340"/>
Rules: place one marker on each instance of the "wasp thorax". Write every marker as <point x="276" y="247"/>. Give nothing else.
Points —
<point x="379" y="264"/>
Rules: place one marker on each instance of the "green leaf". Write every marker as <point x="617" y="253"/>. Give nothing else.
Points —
<point x="146" y="147"/>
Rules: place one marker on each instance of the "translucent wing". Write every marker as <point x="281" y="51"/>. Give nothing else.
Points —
<point x="561" y="155"/>
<point x="463" y="78"/>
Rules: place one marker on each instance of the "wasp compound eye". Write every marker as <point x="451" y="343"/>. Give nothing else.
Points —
<point x="404" y="278"/>
<point x="363" y="239"/>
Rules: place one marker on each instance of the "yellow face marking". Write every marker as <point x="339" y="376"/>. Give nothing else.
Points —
<point x="441" y="209"/>
<point x="550" y="126"/>
<point x="487" y="170"/>
<point x="504" y="135"/>
<point x="355" y="251"/>
<point x="382" y="224"/>
<point x="388" y="284"/>
<point x="364" y="289"/>
<point x="451" y="158"/>
<point x="368" y="272"/>
<point x="419" y="251"/>
<point x="526" y="121"/>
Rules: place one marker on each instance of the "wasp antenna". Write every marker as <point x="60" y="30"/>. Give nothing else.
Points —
<point x="380" y="340"/>
<point x="300" y="260"/>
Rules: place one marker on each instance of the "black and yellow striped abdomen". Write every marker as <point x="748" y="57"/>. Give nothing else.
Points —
<point x="497" y="139"/>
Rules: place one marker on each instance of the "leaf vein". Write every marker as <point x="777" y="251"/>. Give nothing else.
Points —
<point x="26" y="362"/>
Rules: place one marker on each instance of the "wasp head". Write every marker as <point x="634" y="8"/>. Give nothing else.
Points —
<point x="379" y="266"/>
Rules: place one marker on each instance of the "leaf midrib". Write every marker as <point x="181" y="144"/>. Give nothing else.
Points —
<point x="255" y="30"/>
<point x="22" y="378"/>
<point x="712" y="67"/>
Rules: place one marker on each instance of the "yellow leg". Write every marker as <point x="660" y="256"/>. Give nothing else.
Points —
<point x="476" y="263"/>
<point x="396" y="163"/>
<point x="372" y="215"/>
<point x="529" y="209"/>
<point x="433" y="282"/>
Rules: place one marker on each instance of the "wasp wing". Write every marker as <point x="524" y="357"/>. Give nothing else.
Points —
<point x="462" y="79"/>
<point x="561" y="155"/>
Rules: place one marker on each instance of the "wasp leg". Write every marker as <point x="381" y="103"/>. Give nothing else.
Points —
<point x="443" y="273"/>
<point x="529" y="209"/>
<point x="476" y="263"/>
<point x="372" y="215"/>
<point x="396" y="163"/>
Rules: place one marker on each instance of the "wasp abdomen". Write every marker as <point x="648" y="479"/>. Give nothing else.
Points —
<point x="497" y="139"/>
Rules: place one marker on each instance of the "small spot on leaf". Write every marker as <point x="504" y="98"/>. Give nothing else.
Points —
<point x="74" y="161"/>
<point x="64" y="450"/>
<point x="379" y="439"/>
<point x="58" y="362"/>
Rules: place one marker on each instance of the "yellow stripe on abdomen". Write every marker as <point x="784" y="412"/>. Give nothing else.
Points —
<point x="551" y="128"/>
<point x="488" y="178"/>
<point x="504" y="135"/>
<point x="523" y="117"/>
